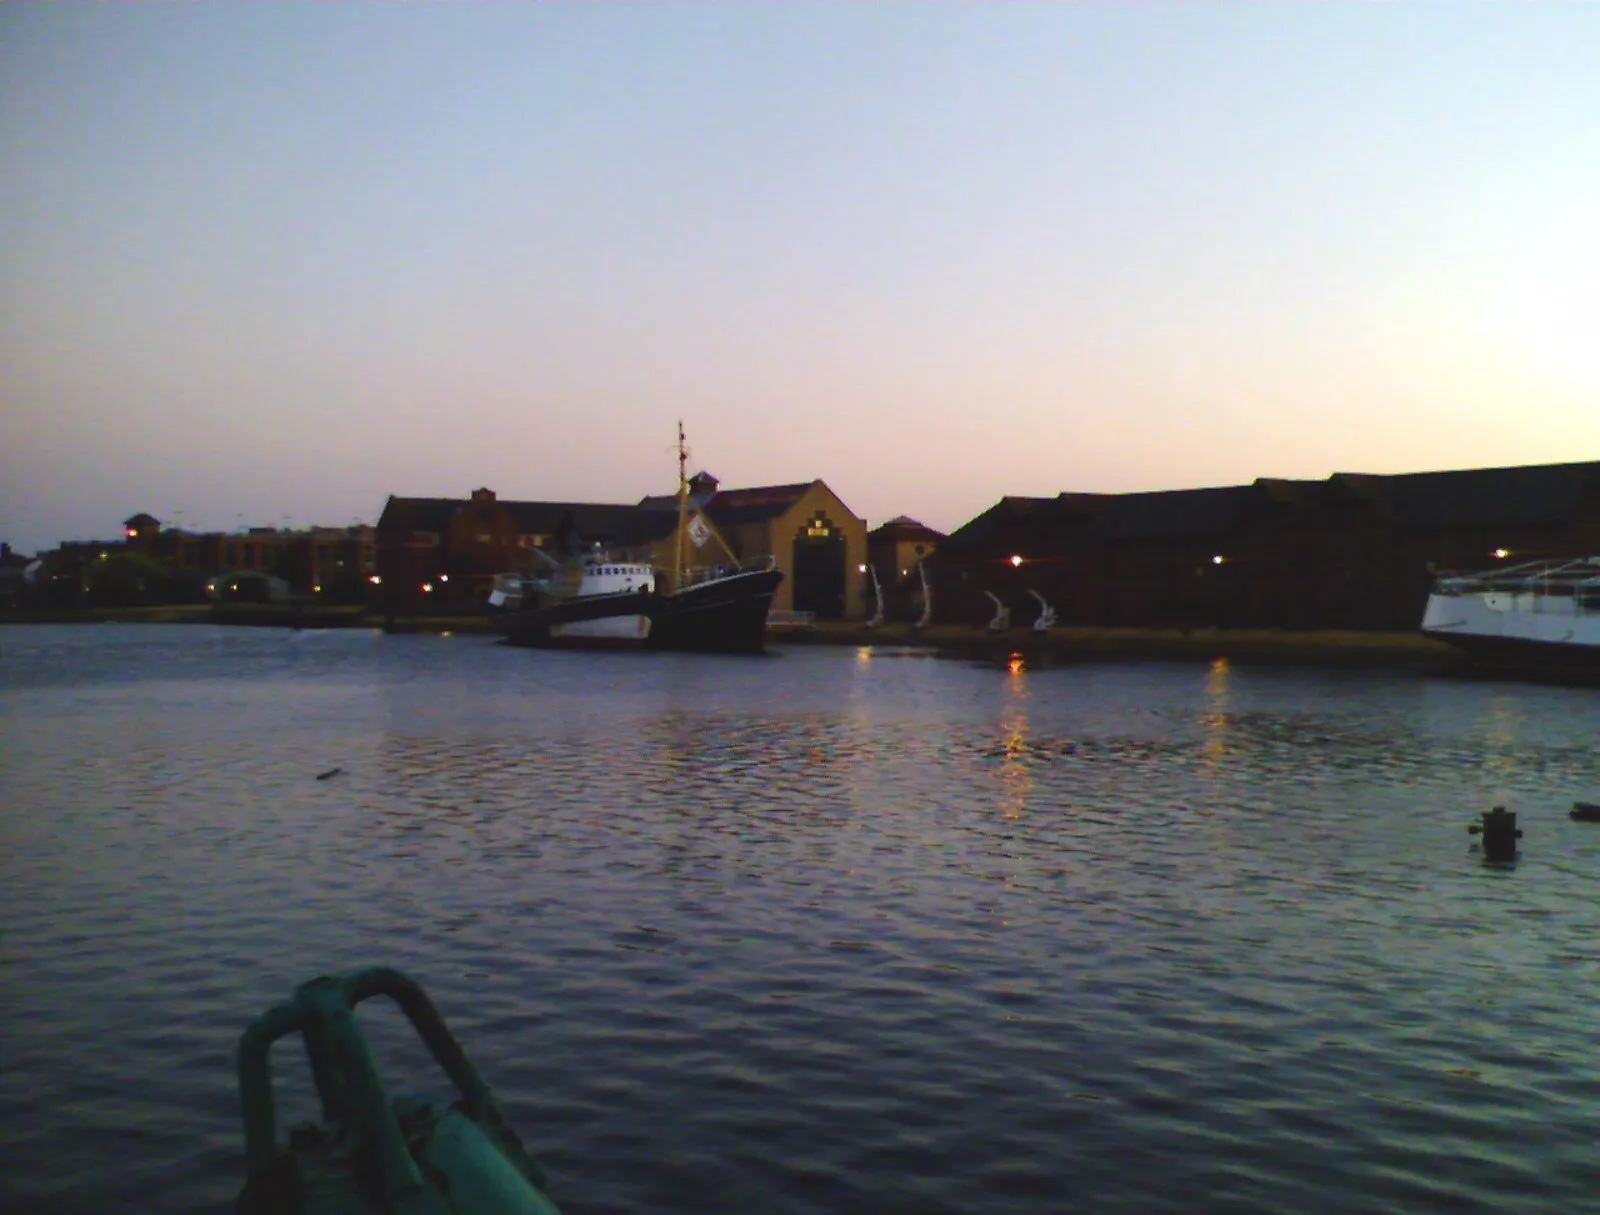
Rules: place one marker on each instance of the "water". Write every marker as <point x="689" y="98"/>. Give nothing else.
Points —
<point x="822" y="932"/>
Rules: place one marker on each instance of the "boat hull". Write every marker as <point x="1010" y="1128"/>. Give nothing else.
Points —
<point x="724" y="615"/>
<point x="1497" y="633"/>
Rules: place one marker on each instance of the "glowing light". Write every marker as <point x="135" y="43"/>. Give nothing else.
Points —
<point x="1218" y="559"/>
<point x="427" y="586"/>
<point x="317" y="589"/>
<point x="375" y="580"/>
<point x="861" y="569"/>
<point x="444" y="577"/>
<point x="1015" y="664"/>
<point x="1501" y="553"/>
<point x="1016" y="560"/>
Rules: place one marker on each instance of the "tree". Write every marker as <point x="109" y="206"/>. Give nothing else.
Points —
<point x="125" y="579"/>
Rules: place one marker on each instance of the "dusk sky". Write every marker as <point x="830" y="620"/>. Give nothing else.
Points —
<point x="267" y="264"/>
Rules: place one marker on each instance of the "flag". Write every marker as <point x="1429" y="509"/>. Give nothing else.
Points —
<point x="699" y="531"/>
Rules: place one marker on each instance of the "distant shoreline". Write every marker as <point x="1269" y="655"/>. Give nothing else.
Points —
<point x="1336" y="648"/>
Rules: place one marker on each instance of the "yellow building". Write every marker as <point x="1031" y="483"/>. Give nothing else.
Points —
<point x="818" y="542"/>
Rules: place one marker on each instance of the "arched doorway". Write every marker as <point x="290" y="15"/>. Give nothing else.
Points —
<point x="819" y="568"/>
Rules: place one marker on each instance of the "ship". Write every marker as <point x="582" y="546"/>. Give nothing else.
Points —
<point x="594" y="599"/>
<point x="1536" y="617"/>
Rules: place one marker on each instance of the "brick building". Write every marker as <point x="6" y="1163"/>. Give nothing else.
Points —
<point x="1354" y="551"/>
<point x="439" y="556"/>
<point x="895" y="550"/>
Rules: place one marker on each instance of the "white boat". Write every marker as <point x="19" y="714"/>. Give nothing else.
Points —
<point x="611" y="592"/>
<point x="1541" y="616"/>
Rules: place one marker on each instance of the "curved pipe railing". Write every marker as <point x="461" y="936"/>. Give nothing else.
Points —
<point x="322" y="1011"/>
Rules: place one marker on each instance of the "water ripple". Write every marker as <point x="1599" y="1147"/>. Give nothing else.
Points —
<point x="821" y="933"/>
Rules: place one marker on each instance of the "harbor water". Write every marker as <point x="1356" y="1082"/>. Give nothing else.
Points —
<point x="829" y="930"/>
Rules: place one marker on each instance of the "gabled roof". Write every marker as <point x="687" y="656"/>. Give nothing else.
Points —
<point x="1287" y="492"/>
<point x="754" y="505"/>
<point x="1544" y="493"/>
<point x="644" y="522"/>
<point x="1479" y="497"/>
<point x="903" y="529"/>
<point x="426" y="514"/>
<point x="594" y="521"/>
<point x="608" y="523"/>
<point x="975" y="533"/>
<point x="1175" y="513"/>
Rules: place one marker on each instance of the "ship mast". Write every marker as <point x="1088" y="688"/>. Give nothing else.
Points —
<point x="683" y="509"/>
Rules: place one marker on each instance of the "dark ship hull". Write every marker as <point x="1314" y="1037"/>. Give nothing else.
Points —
<point x="1566" y="662"/>
<point x="721" y="615"/>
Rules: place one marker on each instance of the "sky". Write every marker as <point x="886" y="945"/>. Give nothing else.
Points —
<point x="267" y="264"/>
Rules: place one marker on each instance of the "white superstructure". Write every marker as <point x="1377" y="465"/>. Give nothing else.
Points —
<point x="1537" y="602"/>
<point x="592" y="574"/>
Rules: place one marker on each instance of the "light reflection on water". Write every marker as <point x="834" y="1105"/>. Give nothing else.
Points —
<point x="830" y="931"/>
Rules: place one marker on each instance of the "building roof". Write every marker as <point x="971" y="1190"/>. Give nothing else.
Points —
<point x="1287" y="492"/>
<point x="1478" y="497"/>
<point x="754" y="505"/>
<point x="1541" y="493"/>
<point x="1174" y="513"/>
<point x="605" y="523"/>
<point x="644" y="522"/>
<point x="975" y="533"/>
<point x="902" y="529"/>
<point x="426" y="514"/>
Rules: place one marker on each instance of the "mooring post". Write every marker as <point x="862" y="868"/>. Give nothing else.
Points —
<point x="1500" y="834"/>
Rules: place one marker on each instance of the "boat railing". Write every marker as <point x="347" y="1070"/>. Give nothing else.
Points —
<point x="694" y="575"/>
<point x="1530" y="582"/>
